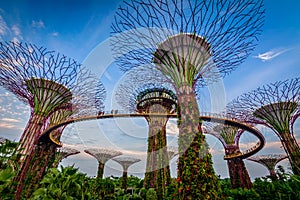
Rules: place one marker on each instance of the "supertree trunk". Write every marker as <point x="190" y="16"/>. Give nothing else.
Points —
<point x="157" y="173"/>
<point x="238" y="173"/>
<point x="126" y="162"/>
<point x="100" y="170"/>
<point x="40" y="160"/>
<point x="293" y="150"/>
<point x="124" y="180"/>
<point x="193" y="149"/>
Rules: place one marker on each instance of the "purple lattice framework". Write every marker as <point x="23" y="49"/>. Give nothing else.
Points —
<point x="148" y="91"/>
<point x="47" y="81"/>
<point x="102" y="155"/>
<point x="126" y="162"/>
<point x="229" y="137"/>
<point x="276" y="106"/>
<point x="188" y="41"/>
<point x="269" y="161"/>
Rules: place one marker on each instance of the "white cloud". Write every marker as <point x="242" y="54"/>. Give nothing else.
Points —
<point x="7" y="125"/>
<point x="172" y="128"/>
<point x="55" y="34"/>
<point x="3" y="26"/>
<point x="16" y="30"/>
<point x="38" y="24"/>
<point x="15" y="40"/>
<point x="108" y="76"/>
<point x="9" y="120"/>
<point x="269" y="55"/>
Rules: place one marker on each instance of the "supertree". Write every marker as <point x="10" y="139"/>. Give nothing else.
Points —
<point x="126" y="162"/>
<point x="269" y="161"/>
<point x="275" y="105"/>
<point x="172" y="152"/>
<point x="229" y="136"/>
<point x="188" y="41"/>
<point x="45" y="80"/>
<point x="148" y="91"/>
<point x="62" y="153"/>
<point x="102" y="155"/>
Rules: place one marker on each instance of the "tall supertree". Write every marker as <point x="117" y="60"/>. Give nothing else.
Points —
<point x="269" y="161"/>
<point x="275" y="105"/>
<point x="102" y="155"/>
<point x="229" y="136"/>
<point x="148" y="91"/>
<point x="188" y="41"/>
<point x="126" y="162"/>
<point x="43" y="79"/>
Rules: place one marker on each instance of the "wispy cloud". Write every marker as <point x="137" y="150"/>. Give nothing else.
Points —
<point x="269" y="55"/>
<point x="108" y="76"/>
<point x="3" y="26"/>
<point x="172" y="128"/>
<point x="55" y="34"/>
<point x="9" y="120"/>
<point x="38" y="24"/>
<point x="16" y="30"/>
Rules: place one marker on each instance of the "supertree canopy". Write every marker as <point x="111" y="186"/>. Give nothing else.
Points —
<point x="269" y="161"/>
<point x="102" y="155"/>
<point x="148" y="91"/>
<point x="48" y="82"/>
<point x="276" y="106"/>
<point x="188" y="41"/>
<point x="229" y="136"/>
<point x="126" y="162"/>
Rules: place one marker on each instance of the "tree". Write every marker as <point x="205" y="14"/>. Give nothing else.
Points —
<point x="148" y="91"/>
<point x="269" y="161"/>
<point x="229" y="137"/>
<point x="275" y="105"/>
<point x="102" y="155"/>
<point x="190" y="42"/>
<point x="126" y="162"/>
<point x="48" y="82"/>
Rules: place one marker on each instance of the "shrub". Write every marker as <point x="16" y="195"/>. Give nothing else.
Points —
<point x="151" y="194"/>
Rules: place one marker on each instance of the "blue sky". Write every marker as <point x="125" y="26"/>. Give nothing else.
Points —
<point x="80" y="29"/>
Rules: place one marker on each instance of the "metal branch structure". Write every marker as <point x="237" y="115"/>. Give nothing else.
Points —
<point x="62" y="153"/>
<point x="126" y="162"/>
<point x="229" y="137"/>
<point x="188" y="41"/>
<point x="102" y="155"/>
<point x="172" y="152"/>
<point x="277" y="106"/>
<point x="148" y="91"/>
<point x="269" y="161"/>
<point x="48" y="82"/>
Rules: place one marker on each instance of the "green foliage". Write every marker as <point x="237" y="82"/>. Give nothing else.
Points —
<point x="8" y="168"/>
<point x="242" y="194"/>
<point x="151" y="194"/>
<point x="65" y="184"/>
<point x="286" y="187"/>
<point x="143" y="193"/>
